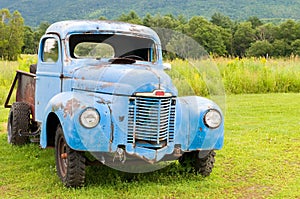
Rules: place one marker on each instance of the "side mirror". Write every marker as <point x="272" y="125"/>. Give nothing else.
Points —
<point x="167" y="66"/>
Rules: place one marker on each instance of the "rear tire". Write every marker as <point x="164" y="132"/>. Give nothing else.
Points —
<point x="70" y="164"/>
<point x="18" y="122"/>
<point x="200" y="164"/>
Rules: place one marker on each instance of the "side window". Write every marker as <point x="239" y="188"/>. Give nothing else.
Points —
<point x="50" y="50"/>
<point x="153" y="53"/>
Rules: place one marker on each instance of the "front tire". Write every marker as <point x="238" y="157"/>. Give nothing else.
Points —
<point x="200" y="162"/>
<point x="70" y="164"/>
<point x="18" y="122"/>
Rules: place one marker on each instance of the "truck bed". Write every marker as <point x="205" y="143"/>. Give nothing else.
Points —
<point x="25" y="89"/>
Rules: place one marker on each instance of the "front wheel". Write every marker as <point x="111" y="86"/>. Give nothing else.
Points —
<point x="70" y="164"/>
<point x="200" y="162"/>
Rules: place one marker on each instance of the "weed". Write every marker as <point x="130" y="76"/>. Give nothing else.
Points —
<point x="260" y="159"/>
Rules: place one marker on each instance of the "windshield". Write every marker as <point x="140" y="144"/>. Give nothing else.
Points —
<point x="97" y="46"/>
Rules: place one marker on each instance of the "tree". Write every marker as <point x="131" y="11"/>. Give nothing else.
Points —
<point x="281" y="48"/>
<point x="207" y="35"/>
<point x="37" y="34"/>
<point x="185" y="47"/>
<point x="255" y="21"/>
<point x="167" y="21"/>
<point x="221" y="20"/>
<point x="132" y="17"/>
<point x="16" y="37"/>
<point x="5" y="16"/>
<point x="296" y="47"/>
<point x="148" y="20"/>
<point x="29" y="46"/>
<point x="260" y="49"/>
<point x="12" y="34"/>
<point x="288" y="31"/>
<point x="266" y="32"/>
<point x="242" y="38"/>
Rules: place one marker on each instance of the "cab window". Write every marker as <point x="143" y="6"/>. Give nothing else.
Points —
<point x="93" y="50"/>
<point x="50" y="50"/>
<point x="97" y="46"/>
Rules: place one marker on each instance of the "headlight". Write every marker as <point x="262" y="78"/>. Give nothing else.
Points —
<point x="89" y="118"/>
<point x="213" y="119"/>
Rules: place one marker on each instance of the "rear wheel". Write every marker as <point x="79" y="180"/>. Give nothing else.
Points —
<point x="200" y="162"/>
<point x="18" y="122"/>
<point x="70" y="164"/>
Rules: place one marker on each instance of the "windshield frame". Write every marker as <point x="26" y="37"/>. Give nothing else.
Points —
<point x="129" y="42"/>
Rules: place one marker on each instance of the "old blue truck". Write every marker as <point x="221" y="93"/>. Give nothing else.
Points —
<point x="100" y="93"/>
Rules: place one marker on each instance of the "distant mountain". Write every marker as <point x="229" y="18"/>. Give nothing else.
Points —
<point x="37" y="11"/>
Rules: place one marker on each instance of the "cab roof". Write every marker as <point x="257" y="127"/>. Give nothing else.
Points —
<point x="64" y="28"/>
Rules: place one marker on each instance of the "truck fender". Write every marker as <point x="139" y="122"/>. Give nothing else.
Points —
<point x="193" y="132"/>
<point x="68" y="107"/>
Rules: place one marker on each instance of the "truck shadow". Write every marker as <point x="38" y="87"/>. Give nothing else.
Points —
<point x="106" y="176"/>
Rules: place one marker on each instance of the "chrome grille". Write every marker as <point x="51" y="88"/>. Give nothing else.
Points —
<point x="151" y="121"/>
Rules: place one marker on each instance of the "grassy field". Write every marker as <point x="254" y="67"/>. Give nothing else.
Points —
<point x="238" y="76"/>
<point x="260" y="159"/>
<point x="8" y="71"/>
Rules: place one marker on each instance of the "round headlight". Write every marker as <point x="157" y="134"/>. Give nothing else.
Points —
<point x="213" y="119"/>
<point x="89" y="118"/>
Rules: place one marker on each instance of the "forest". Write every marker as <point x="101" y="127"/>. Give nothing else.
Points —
<point x="220" y="36"/>
<point x="36" y="11"/>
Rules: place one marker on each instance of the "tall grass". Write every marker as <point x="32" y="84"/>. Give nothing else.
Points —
<point x="238" y="76"/>
<point x="187" y="78"/>
<point x="8" y="71"/>
<point x="205" y="77"/>
<point x="6" y="77"/>
<point x="260" y="75"/>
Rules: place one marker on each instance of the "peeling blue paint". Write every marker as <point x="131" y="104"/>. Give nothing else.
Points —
<point x="132" y="117"/>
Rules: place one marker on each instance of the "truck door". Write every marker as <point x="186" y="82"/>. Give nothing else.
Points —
<point x="49" y="69"/>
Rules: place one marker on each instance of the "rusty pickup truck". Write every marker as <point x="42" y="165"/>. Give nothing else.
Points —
<point x="100" y="93"/>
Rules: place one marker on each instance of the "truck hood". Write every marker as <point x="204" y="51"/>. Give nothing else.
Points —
<point x="121" y="79"/>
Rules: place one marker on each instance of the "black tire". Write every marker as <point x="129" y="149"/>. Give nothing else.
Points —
<point x="70" y="164"/>
<point x="201" y="163"/>
<point x="18" y="121"/>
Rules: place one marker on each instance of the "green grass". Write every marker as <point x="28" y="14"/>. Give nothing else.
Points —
<point x="8" y="72"/>
<point x="236" y="76"/>
<point x="260" y="75"/>
<point x="260" y="159"/>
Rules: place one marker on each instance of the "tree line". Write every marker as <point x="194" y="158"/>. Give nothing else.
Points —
<point x="220" y="36"/>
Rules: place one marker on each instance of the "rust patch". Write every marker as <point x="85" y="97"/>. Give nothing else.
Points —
<point x="26" y="89"/>
<point x="56" y="107"/>
<point x="29" y="93"/>
<point x="102" y="101"/>
<point x="133" y="28"/>
<point x="99" y="66"/>
<point x="121" y="118"/>
<point x="71" y="106"/>
<point x="106" y="85"/>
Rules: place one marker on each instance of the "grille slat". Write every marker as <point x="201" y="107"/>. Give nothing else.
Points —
<point x="151" y="120"/>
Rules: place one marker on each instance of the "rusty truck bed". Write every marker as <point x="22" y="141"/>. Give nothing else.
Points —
<point x="25" y="89"/>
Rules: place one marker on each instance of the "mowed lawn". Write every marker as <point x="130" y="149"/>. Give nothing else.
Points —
<point x="260" y="159"/>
